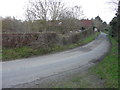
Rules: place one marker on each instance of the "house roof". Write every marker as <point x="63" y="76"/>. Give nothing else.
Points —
<point x="86" y="23"/>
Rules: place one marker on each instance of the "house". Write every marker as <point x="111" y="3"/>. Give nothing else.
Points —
<point x="85" y="23"/>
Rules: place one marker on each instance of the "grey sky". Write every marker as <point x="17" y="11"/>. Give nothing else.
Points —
<point x="91" y="8"/>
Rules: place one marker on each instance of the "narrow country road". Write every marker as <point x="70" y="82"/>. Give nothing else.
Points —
<point x="30" y="69"/>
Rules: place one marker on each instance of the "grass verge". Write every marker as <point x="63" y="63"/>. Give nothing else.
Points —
<point x="74" y="82"/>
<point x="108" y="68"/>
<point x="24" y="52"/>
<point x="0" y="56"/>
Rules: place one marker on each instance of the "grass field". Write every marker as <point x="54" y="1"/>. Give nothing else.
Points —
<point x="24" y="52"/>
<point x="108" y="68"/>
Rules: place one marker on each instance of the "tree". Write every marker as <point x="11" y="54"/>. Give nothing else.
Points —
<point x="44" y="10"/>
<point x="38" y="10"/>
<point x="70" y="18"/>
<point x="55" y="9"/>
<point x="115" y="24"/>
<point x="49" y="11"/>
<point x="114" y="4"/>
<point x="97" y="22"/>
<point x="13" y="25"/>
<point x="77" y="12"/>
<point x="118" y="23"/>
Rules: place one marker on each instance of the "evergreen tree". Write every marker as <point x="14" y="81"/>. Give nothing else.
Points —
<point x="118" y="15"/>
<point x="115" y="24"/>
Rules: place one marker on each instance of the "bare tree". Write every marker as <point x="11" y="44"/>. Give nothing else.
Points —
<point x="55" y="9"/>
<point x="114" y="4"/>
<point x="77" y="12"/>
<point x="37" y="10"/>
<point x="70" y="18"/>
<point x="44" y="10"/>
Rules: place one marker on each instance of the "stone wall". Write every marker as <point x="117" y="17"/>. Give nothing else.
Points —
<point x="43" y="40"/>
<point x="13" y="40"/>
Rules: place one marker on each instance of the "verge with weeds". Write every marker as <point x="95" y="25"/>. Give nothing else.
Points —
<point x="24" y="52"/>
<point x="108" y="68"/>
<point x="106" y="71"/>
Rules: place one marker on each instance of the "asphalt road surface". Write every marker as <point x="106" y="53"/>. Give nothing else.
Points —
<point x="30" y="69"/>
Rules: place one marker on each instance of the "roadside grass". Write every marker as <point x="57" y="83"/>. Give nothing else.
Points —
<point x="84" y="41"/>
<point x="78" y="81"/>
<point x="0" y="56"/>
<point x="24" y="52"/>
<point x="108" y="68"/>
<point x="89" y="39"/>
<point x="69" y="84"/>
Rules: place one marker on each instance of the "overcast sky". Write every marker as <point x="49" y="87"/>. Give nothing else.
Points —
<point x="91" y="8"/>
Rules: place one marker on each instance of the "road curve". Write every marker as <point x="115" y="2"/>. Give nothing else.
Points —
<point x="30" y="69"/>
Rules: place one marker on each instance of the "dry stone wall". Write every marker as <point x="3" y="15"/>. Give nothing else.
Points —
<point x="41" y="40"/>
